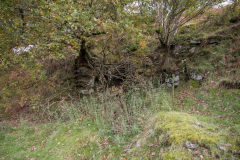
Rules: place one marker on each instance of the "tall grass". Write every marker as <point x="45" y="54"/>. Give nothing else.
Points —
<point x="123" y="113"/>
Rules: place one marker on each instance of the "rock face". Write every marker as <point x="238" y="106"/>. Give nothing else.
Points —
<point x="193" y="42"/>
<point x="223" y="148"/>
<point x="173" y="81"/>
<point x="19" y="50"/>
<point x="86" y="92"/>
<point x="192" y="50"/>
<point x="213" y="41"/>
<point x="190" y="145"/>
<point x="196" y="77"/>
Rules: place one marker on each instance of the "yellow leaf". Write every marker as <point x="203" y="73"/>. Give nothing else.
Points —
<point x="142" y="43"/>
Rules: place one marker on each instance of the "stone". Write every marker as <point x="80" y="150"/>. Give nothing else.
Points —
<point x="202" y="53"/>
<point x="91" y="82"/>
<point x="223" y="148"/>
<point x="190" y="145"/>
<point x="196" y="77"/>
<point x="193" y="42"/>
<point x="170" y="81"/>
<point x="213" y="41"/>
<point x="199" y="124"/>
<point x="192" y="50"/>
<point x="67" y="30"/>
<point x="19" y="50"/>
<point x="86" y="91"/>
<point x="184" y="60"/>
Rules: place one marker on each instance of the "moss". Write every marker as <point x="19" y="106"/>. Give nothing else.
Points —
<point x="182" y="127"/>
<point x="167" y="139"/>
<point x="194" y="84"/>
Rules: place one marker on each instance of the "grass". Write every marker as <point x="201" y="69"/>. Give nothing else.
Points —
<point x="92" y="128"/>
<point x="221" y="104"/>
<point x="49" y="141"/>
<point x="138" y="124"/>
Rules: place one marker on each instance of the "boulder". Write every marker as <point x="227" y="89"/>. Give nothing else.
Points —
<point x="19" y="50"/>
<point x="86" y="92"/>
<point x="212" y="41"/>
<point x="193" y="42"/>
<point x="223" y="148"/>
<point x="171" y="81"/>
<point x="196" y="77"/>
<point x="190" y="145"/>
<point x="192" y="50"/>
<point x="202" y="53"/>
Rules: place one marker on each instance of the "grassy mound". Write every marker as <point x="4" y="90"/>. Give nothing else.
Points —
<point x="176" y="135"/>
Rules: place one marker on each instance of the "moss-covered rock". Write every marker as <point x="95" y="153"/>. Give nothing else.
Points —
<point x="172" y="132"/>
<point x="182" y="127"/>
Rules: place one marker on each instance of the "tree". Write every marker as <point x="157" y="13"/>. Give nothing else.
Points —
<point x="16" y="27"/>
<point x="172" y="14"/>
<point x="79" y="27"/>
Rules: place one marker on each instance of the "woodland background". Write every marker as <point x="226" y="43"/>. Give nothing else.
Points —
<point x="150" y="79"/>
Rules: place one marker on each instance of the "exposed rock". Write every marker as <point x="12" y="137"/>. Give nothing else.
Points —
<point x="199" y="124"/>
<point x="19" y="50"/>
<point x="183" y="60"/>
<point x="91" y="82"/>
<point x="85" y="81"/>
<point x="202" y="53"/>
<point x="193" y="42"/>
<point x="190" y="145"/>
<point x="192" y="50"/>
<point x="67" y="30"/>
<point x="223" y="148"/>
<point x="196" y="77"/>
<point x="87" y="92"/>
<point x="213" y="41"/>
<point x="171" y="81"/>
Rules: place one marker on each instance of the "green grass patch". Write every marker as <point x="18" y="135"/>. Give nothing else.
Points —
<point x="71" y="140"/>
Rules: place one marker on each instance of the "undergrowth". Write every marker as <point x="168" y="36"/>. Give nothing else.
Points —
<point x="138" y="124"/>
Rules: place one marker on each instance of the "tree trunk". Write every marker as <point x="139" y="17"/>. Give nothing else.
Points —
<point x="21" y="12"/>
<point x="81" y="65"/>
